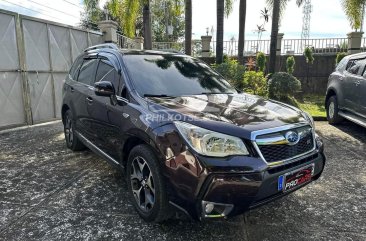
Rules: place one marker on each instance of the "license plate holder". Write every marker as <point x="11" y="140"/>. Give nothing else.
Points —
<point x="296" y="178"/>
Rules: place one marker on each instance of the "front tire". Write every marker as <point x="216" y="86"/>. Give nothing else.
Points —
<point x="72" y="141"/>
<point x="146" y="186"/>
<point x="333" y="111"/>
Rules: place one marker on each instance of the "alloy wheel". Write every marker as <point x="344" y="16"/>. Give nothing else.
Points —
<point x="331" y="110"/>
<point x="142" y="183"/>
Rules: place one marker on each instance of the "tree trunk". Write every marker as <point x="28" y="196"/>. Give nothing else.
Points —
<point x="146" y="18"/>
<point x="220" y="31"/>
<point x="188" y="27"/>
<point x="274" y="33"/>
<point x="242" y="16"/>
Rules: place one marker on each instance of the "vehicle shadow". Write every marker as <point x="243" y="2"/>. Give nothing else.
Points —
<point x="352" y="129"/>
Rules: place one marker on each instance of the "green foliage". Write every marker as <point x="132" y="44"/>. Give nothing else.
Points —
<point x="128" y="14"/>
<point x="283" y="5"/>
<point x="283" y="87"/>
<point x="340" y="56"/>
<point x="261" y="61"/>
<point x="232" y="71"/>
<point x="353" y="10"/>
<point x="228" y="7"/>
<point x="256" y="83"/>
<point x="169" y="12"/>
<point x="92" y="14"/>
<point x="130" y="11"/>
<point x="225" y="58"/>
<point x="308" y="53"/>
<point x="290" y="65"/>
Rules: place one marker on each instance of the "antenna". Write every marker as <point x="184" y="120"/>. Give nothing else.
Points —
<point x="305" y="34"/>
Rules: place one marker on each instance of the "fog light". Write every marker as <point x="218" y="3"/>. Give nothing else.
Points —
<point x="216" y="210"/>
<point x="209" y="207"/>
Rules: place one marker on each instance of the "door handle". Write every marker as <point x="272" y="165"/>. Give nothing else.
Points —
<point x="89" y="99"/>
<point x="72" y="89"/>
<point x="358" y="83"/>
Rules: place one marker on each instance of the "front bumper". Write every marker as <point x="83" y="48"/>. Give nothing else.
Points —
<point x="248" y="191"/>
<point x="236" y="183"/>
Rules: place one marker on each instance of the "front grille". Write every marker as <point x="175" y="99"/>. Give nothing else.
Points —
<point x="280" y="152"/>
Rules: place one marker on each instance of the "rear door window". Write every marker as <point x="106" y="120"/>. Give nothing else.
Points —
<point x="355" y="69"/>
<point x="87" y="71"/>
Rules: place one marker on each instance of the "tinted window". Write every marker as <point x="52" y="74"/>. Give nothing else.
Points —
<point x="74" y="71"/>
<point x="356" y="67"/>
<point x="350" y="64"/>
<point x="87" y="71"/>
<point x="173" y="75"/>
<point x="342" y="65"/>
<point x="106" y="72"/>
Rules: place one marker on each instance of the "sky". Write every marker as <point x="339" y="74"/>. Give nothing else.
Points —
<point x="327" y="19"/>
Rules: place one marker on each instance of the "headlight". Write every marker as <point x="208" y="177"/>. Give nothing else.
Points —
<point x="309" y="118"/>
<point x="210" y="143"/>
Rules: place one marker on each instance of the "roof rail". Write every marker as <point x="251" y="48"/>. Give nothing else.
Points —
<point x="102" y="46"/>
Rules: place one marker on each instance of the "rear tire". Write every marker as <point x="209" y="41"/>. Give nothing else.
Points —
<point x="72" y="141"/>
<point x="332" y="111"/>
<point x="146" y="185"/>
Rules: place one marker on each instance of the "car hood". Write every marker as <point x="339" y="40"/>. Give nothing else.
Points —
<point x="228" y="113"/>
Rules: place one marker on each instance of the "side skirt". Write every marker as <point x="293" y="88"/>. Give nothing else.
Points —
<point x="98" y="151"/>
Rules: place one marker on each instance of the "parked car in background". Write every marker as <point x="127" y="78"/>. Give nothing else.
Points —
<point x="346" y="91"/>
<point x="184" y="136"/>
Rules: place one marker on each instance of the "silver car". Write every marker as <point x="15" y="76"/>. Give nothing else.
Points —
<point x="346" y="91"/>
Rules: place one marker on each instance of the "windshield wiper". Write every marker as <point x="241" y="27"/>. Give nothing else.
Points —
<point x="159" y="96"/>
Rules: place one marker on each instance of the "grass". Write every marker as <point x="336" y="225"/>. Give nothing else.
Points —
<point x="313" y="104"/>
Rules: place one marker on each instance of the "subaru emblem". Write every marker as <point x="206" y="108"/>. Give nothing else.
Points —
<point x="292" y="138"/>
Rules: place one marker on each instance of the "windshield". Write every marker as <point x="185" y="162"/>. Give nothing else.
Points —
<point x="172" y="75"/>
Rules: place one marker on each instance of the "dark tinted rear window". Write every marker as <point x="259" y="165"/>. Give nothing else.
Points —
<point x="74" y="71"/>
<point x="173" y="75"/>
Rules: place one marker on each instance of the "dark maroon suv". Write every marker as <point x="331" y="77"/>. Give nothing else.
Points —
<point x="185" y="139"/>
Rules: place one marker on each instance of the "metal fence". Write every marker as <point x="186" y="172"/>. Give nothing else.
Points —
<point x="125" y="42"/>
<point x="179" y="46"/>
<point x="36" y="56"/>
<point x="319" y="46"/>
<point x="288" y="46"/>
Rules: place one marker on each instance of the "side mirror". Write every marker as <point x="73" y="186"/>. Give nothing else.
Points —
<point x="104" y="88"/>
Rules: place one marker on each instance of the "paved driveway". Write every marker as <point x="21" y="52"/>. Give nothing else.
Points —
<point x="48" y="192"/>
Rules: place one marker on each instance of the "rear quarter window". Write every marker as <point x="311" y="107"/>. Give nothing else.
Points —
<point x="74" y="71"/>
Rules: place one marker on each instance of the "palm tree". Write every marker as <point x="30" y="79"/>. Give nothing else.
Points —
<point x="278" y="7"/>
<point x="146" y="18"/>
<point x="242" y="16"/>
<point x="220" y="31"/>
<point x="223" y="9"/>
<point x="354" y="10"/>
<point x="188" y="27"/>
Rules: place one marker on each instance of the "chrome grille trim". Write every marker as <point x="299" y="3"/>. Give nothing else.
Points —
<point x="276" y="139"/>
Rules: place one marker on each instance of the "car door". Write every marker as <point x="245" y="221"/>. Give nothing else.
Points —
<point x="103" y="110"/>
<point x="352" y="76"/>
<point x="80" y="90"/>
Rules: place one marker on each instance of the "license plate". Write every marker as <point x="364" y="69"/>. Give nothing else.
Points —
<point x="295" y="178"/>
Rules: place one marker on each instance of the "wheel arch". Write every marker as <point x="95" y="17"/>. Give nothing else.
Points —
<point x="134" y="138"/>
<point x="64" y="108"/>
<point x="331" y="92"/>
